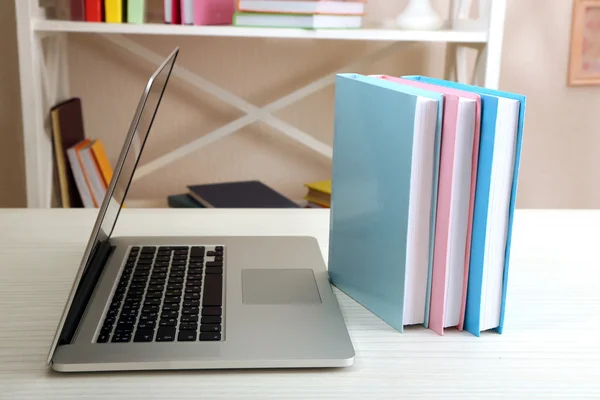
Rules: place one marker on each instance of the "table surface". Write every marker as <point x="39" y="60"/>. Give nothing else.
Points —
<point x="550" y="347"/>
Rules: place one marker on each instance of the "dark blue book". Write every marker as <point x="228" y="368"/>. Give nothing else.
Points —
<point x="183" y="200"/>
<point x="241" y="194"/>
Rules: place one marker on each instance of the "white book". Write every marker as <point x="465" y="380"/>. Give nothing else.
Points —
<point x="419" y="214"/>
<point x="297" y="21"/>
<point x="498" y="210"/>
<point x="79" y="177"/>
<point x="94" y="177"/>
<point x="303" y="7"/>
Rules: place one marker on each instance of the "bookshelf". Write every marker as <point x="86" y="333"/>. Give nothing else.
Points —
<point x="43" y="70"/>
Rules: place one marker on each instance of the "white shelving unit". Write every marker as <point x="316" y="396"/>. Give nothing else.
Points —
<point x="44" y="79"/>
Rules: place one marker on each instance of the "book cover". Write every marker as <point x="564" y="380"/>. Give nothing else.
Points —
<point x="94" y="10"/>
<point x="373" y="155"/>
<point x="240" y="194"/>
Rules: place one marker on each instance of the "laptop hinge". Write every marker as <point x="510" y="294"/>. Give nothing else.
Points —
<point x="90" y="277"/>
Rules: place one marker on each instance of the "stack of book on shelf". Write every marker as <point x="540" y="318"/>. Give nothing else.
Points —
<point x="319" y="194"/>
<point x="424" y="183"/>
<point x="238" y="194"/>
<point x="306" y="14"/>
<point x="176" y="12"/>
<point x="81" y="166"/>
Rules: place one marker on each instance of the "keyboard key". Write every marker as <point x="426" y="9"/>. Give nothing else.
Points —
<point x="210" y="328"/>
<point x="165" y="334"/>
<point x="210" y="336"/>
<point x="148" y="249"/>
<point x="211" y="311"/>
<point x="214" y="264"/>
<point x="148" y="317"/>
<point x="177" y="273"/>
<point x="152" y="302"/>
<point x="171" y="307"/>
<point x="144" y="335"/>
<point x="168" y="322"/>
<point x="121" y="338"/>
<point x="197" y="251"/>
<point x="211" y="253"/>
<point x="144" y="261"/>
<point x="188" y="326"/>
<point x="138" y="279"/>
<point x="195" y="270"/>
<point x="138" y="285"/>
<point x="173" y="299"/>
<point x="143" y="267"/>
<point x="135" y="249"/>
<point x="161" y="264"/>
<point x="157" y="282"/>
<point x="187" y="336"/>
<point x="193" y="287"/>
<point x="160" y="269"/>
<point x="178" y="268"/>
<point x="213" y="290"/>
<point x="180" y="248"/>
<point x="218" y="258"/>
<point x="191" y="310"/>
<point x="146" y="325"/>
<point x="193" y="277"/>
<point x="164" y="248"/>
<point x="196" y="262"/>
<point x="211" y="320"/>
<point x="179" y="263"/>
<point x="174" y="286"/>
<point x="169" y="314"/>
<point x="214" y="270"/>
<point x="180" y="257"/>
<point x="176" y="279"/>
<point x="219" y="248"/>
<point x="191" y="303"/>
<point x="189" y="318"/>
<point x="173" y="292"/>
<point x="192" y="296"/>
<point x="103" y="338"/>
<point x="145" y="256"/>
<point x="154" y="295"/>
<point x="159" y="275"/>
<point x="148" y="309"/>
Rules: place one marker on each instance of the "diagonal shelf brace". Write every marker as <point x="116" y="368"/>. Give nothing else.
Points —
<point x="253" y="112"/>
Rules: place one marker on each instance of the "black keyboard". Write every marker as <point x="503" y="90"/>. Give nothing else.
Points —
<point x="166" y="294"/>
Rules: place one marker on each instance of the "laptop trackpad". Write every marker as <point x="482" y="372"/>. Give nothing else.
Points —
<point x="279" y="286"/>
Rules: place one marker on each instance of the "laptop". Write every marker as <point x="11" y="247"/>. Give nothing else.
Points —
<point x="169" y="302"/>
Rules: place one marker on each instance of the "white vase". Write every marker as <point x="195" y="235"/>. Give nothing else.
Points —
<point x="419" y="15"/>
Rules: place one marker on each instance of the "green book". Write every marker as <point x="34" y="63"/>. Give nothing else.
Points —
<point x="302" y="21"/>
<point x="136" y="11"/>
<point x="183" y="200"/>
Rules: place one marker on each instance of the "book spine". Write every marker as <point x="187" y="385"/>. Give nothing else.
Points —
<point x="94" y="11"/>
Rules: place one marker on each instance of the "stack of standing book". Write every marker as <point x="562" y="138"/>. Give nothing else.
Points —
<point x="307" y="14"/>
<point x="81" y="165"/>
<point x="424" y="187"/>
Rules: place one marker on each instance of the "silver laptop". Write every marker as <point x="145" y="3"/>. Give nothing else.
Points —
<point x="149" y="303"/>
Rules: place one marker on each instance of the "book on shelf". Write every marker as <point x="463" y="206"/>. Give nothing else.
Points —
<point x="302" y="7"/>
<point x="319" y="193"/>
<point x="303" y="21"/>
<point x="424" y="175"/>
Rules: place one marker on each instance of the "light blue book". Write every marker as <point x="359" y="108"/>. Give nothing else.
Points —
<point x="384" y="181"/>
<point x="493" y="216"/>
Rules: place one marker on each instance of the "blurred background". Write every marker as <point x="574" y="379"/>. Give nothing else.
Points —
<point x="560" y="166"/>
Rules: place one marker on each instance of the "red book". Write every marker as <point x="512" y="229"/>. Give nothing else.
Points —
<point x="173" y="12"/>
<point x="77" y="10"/>
<point x="94" y="10"/>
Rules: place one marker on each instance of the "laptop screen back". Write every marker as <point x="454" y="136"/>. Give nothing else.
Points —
<point x="121" y="179"/>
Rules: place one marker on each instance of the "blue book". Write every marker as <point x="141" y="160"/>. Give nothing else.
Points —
<point x="384" y="178"/>
<point x="497" y="112"/>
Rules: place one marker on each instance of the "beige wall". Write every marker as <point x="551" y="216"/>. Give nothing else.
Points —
<point x="559" y="144"/>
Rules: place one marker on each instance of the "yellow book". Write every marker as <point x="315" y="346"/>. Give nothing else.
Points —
<point x="113" y="10"/>
<point x="321" y="186"/>
<point x="102" y="161"/>
<point x="61" y="163"/>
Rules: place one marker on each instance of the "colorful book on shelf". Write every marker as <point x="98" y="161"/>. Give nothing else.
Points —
<point x="172" y="12"/>
<point x="302" y="7"/>
<point x="94" y="10"/>
<point x="239" y="194"/>
<point x="456" y="193"/>
<point x="77" y="10"/>
<point x="213" y="12"/>
<point x="136" y="11"/>
<point x="297" y="21"/>
<point x="503" y="115"/>
<point x="114" y="10"/>
<point x="385" y="158"/>
<point x="319" y="193"/>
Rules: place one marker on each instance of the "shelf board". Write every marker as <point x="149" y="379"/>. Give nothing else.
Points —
<point x="397" y="35"/>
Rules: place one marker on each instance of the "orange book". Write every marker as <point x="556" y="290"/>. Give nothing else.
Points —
<point x="102" y="161"/>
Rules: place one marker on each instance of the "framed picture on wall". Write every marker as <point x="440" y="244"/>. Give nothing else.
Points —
<point x="584" y="54"/>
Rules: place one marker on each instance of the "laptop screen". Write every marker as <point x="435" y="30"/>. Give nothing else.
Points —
<point x="121" y="179"/>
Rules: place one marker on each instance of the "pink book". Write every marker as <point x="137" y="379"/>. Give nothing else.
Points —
<point x="456" y="198"/>
<point x="213" y="12"/>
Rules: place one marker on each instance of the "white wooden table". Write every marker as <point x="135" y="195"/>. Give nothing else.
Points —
<point x="550" y="348"/>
